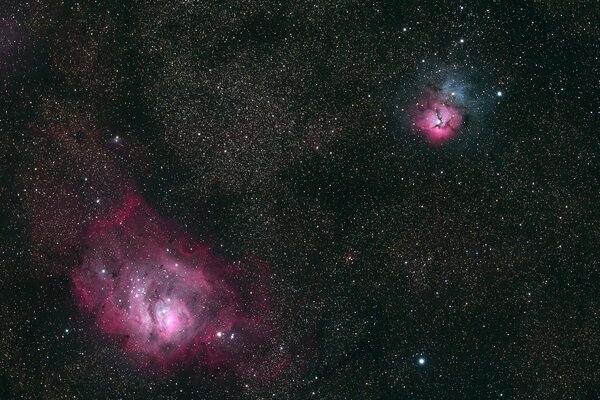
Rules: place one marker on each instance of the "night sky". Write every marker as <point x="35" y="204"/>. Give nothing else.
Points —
<point x="277" y="200"/>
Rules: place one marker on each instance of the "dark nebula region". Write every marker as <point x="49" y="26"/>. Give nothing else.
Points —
<point x="166" y="299"/>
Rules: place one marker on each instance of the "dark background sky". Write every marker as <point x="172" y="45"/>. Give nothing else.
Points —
<point x="274" y="130"/>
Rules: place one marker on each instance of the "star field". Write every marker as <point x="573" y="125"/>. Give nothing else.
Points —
<point x="328" y="200"/>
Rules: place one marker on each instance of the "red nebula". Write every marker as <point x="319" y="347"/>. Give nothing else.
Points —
<point x="437" y="118"/>
<point x="168" y="300"/>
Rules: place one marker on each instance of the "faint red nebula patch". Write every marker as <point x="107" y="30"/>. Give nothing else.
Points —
<point x="170" y="301"/>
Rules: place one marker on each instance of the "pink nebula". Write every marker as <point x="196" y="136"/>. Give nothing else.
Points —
<point x="168" y="300"/>
<point x="437" y="117"/>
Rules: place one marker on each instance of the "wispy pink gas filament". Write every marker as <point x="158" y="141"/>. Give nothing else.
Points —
<point x="167" y="299"/>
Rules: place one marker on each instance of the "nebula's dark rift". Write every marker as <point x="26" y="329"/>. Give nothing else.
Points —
<point x="437" y="117"/>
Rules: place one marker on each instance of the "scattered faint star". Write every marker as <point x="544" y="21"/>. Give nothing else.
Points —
<point x="364" y="179"/>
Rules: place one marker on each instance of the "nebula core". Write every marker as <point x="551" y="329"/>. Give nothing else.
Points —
<point x="166" y="299"/>
<point x="438" y="118"/>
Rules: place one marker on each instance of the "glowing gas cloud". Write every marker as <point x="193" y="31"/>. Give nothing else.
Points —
<point x="437" y="117"/>
<point x="168" y="300"/>
<point x="445" y="104"/>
